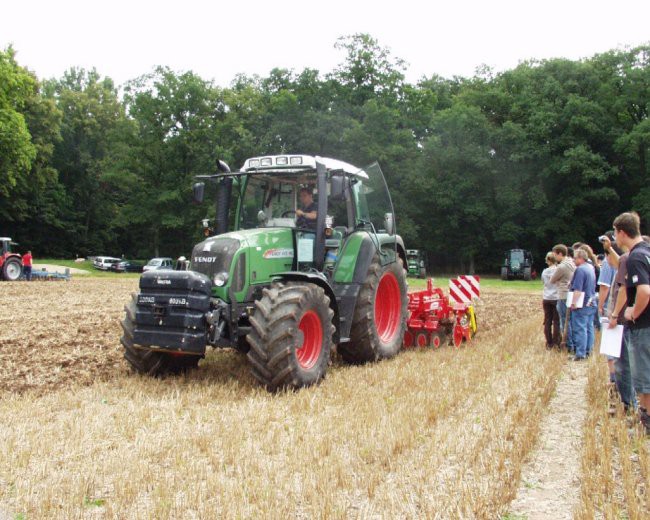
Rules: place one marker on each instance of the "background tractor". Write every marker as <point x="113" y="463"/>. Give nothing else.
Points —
<point x="11" y="264"/>
<point x="285" y="296"/>
<point x="415" y="263"/>
<point x="518" y="264"/>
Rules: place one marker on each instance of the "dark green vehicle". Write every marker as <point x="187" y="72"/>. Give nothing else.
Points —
<point x="415" y="263"/>
<point x="518" y="264"/>
<point x="285" y="294"/>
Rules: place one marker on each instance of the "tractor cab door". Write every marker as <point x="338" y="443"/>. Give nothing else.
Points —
<point x="374" y="212"/>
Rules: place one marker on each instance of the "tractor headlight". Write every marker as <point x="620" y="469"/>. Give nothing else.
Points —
<point x="220" y="279"/>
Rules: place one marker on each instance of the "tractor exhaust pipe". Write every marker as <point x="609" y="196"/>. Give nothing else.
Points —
<point x="224" y="190"/>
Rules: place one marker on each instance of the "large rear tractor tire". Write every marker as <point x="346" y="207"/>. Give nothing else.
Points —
<point x="151" y="362"/>
<point x="527" y="274"/>
<point x="291" y="335"/>
<point x="504" y="274"/>
<point x="12" y="269"/>
<point x="379" y="320"/>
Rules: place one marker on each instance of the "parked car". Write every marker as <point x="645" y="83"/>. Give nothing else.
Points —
<point x="103" y="263"/>
<point x="127" y="266"/>
<point x="159" y="263"/>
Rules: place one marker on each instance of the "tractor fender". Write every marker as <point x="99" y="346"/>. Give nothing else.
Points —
<point x="300" y="276"/>
<point x="366" y="254"/>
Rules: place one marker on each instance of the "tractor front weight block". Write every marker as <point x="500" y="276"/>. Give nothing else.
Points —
<point x="171" y="311"/>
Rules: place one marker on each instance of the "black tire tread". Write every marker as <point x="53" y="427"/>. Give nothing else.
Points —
<point x="150" y="362"/>
<point x="274" y="334"/>
<point x="364" y="345"/>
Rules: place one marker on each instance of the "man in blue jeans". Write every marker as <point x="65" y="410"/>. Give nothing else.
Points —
<point x="637" y="285"/>
<point x="582" y="318"/>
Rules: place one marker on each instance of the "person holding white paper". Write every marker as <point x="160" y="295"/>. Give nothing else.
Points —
<point x="637" y="286"/>
<point x="623" y="372"/>
<point x="583" y="286"/>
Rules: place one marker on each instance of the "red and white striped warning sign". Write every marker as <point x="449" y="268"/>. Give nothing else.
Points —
<point x="464" y="288"/>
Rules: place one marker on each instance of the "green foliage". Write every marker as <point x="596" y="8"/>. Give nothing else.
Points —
<point x="17" y="88"/>
<point x="547" y="152"/>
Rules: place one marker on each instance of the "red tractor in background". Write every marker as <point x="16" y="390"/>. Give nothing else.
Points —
<point x="11" y="264"/>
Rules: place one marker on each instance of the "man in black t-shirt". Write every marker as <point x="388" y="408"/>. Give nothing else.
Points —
<point x="307" y="215"/>
<point x="637" y="284"/>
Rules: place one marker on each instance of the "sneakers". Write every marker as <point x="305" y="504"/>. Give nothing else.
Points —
<point x="579" y="358"/>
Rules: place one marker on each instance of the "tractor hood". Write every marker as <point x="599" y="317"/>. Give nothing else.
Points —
<point x="248" y="257"/>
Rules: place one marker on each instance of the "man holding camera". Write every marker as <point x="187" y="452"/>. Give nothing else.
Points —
<point x="637" y="313"/>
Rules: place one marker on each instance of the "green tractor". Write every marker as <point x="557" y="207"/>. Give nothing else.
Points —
<point x="283" y="283"/>
<point x="518" y="264"/>
<point x="415" y="263"/>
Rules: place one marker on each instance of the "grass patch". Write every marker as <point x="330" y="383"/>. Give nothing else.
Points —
<point x="487" y="282"/>
<point x="86" y="265"/>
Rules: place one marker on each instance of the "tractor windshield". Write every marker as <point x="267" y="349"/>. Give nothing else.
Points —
<point x="516" y="258"/>
<point x="271" y="201"/>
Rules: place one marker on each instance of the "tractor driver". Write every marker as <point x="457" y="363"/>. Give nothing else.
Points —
<point x="306" y="216"/>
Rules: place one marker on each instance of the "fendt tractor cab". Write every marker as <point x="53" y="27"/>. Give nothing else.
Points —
<point x="518" y="264"/>
<point x="11" y="264"/>
<point x="415" y="263"/>
<point x="282" y="289"/>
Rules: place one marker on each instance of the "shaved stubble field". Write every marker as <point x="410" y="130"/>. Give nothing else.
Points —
<point x="429" y="434"/>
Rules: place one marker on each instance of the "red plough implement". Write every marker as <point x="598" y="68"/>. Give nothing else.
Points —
<point x="436" y="319"/>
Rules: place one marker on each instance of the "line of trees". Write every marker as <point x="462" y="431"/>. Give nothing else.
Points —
<point x="549" y="151"/>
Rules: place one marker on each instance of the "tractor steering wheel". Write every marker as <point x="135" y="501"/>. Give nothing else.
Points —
<point x="286" y="213"/>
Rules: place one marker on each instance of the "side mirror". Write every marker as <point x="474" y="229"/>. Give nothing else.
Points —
<point x="222" y="166"/>
<point x="389" y="223"/>
<point x="198" y="190"/>
<point x="337" y="187"/>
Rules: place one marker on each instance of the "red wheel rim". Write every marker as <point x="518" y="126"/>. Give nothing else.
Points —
<point x="312" y="343"/>
<point x="388" y="307"/>
<point x="458" y="336"/>
<point x="435" y="341"/>
<point x="422" y="340"/>
<point x="408" y="339"/>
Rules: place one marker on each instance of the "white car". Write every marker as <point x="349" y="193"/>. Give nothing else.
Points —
<point x="159" y="263"/>
<point x="103" y="263"/>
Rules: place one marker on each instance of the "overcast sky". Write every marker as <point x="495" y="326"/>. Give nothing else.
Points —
<point x="124" y="39"/>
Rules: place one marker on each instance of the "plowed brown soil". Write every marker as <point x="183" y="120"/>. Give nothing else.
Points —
<point x="58" y="334"/>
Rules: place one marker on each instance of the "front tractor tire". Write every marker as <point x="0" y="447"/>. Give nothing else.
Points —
<point x="151" y="362"/>
<point x="291" y="335"/>
<point x="379" y="320"/>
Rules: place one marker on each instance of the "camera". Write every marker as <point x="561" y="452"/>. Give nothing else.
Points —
<point x="603" y="238"/>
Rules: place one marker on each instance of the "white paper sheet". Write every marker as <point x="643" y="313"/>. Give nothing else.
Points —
<point x="305" y="250"/>
<point x="610" y="339"/>
<point x="579" y="303"/>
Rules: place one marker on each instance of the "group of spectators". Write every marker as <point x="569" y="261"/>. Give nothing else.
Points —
<point x="615" y="290"/>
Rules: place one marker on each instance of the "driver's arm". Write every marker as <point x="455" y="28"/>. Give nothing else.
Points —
<point x="312" y="215"/>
